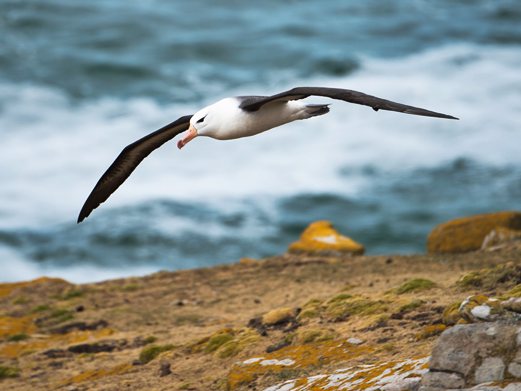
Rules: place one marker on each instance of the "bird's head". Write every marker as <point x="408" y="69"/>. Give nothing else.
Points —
<point x="200" y="125"/>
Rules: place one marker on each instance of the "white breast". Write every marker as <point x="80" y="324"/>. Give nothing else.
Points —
<point x="234" y="122"/>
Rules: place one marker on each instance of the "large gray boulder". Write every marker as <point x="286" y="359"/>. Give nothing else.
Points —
<point x="476" y="356"/>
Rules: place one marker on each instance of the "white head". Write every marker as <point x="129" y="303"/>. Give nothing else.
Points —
<point x="206" y="122"/>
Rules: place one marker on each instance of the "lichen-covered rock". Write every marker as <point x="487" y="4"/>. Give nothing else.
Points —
<point x="391" y="376"/>
<point x="321" y="238"/>
<point x="480" y="308"/>
<point x="468" y="233"/>
<point x="293" y="358"/>
<point x="513" y="304"/>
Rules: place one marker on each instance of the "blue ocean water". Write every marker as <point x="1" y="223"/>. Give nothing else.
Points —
<point x="80" y="80"/>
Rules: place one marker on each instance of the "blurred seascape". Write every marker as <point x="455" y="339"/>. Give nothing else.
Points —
<point x="80" y="80"/>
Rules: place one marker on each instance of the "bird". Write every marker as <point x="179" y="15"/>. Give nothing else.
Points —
<point x="233" y="118"/>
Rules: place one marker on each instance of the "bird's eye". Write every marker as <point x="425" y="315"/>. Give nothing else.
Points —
<point x="201" y="120"/>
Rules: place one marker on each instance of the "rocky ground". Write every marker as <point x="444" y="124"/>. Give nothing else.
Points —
<point x="300" y="321"/>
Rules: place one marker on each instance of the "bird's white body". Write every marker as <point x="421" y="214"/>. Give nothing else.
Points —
<point x="225" y="120"/>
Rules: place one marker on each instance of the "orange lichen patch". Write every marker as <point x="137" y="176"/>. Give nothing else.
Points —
<point x="16" y="349"/>
<point x="430" y="331"/>
<point x="99" y="373"/>
<point x="6" y="289"/>
<point x="320" y="237"/>
<point x="295" y="358"/>
<point x="468" y="233"/>
<point x="404" y="374"/>
<point x="12" y="326"/>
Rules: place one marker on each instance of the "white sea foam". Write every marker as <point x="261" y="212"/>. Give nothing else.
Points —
<point x="52" y="151"/>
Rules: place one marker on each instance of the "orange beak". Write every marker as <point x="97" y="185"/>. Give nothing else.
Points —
<point x="190" y="134"/>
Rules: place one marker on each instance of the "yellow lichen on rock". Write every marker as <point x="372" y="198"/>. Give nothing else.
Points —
<point x="480" y="308"/>
<point x="468" y="233"/>
<point x="321" y="238"/>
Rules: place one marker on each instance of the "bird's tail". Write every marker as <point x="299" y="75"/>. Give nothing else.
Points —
<point x="314" y="110"/>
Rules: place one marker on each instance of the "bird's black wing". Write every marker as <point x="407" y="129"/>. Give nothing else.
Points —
<point x="127" y="161"/>
<point x="341" y="94"/>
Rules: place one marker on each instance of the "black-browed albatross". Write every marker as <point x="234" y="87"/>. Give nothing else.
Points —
<point x="232" y="118"/>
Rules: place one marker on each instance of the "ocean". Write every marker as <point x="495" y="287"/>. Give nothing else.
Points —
<point x="80" y="80"/>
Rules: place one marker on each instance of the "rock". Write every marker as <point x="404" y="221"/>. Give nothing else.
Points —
<point x="462" y="348"/>
<point x="513" y="387"/>
<point x="82" y="326"/>
<point x="468" y="233"/>
<point x="515" y="369"/>
<point x="355" y="341"/>
<point x="96" y="347"/>
<point x="513" y="304"/>
<point x="321" y="238"/>
<point x="480" y="308"/>
<point x="499" y="236"/>
<point x="164" y="368"/>
<point x="443" y="380"/>
<point x="491" y="369"/>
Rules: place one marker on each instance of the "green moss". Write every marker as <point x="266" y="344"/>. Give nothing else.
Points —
<point x="216" y="341"/>
<point x="341" y="309"/>
<point x="514" y="292"/>
<point x="415" y="285"/>
<point x="60" y="315"/>
<point x="71" y="294"/>
<point x="149" y="340"/>
<point x="489" y="278"/>
<point x="310" y="310"/>
<point x="315" y="335"/>
<point x="17" y="337"/>
<point x="21" y="300"/>
<point x="41" y="308"/>
<point x="411" y="305"/>
<point x="189" y="319"/>
<point x="340" y="297"/>
<point x="150" y="352"/>
<point x="451" y="314"/>
<point x="228" y="349"/>
<point x="6" y="372"/>
<point x="130" y="288"/>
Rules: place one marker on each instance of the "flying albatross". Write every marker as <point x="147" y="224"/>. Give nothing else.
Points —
<point x="232" y="118"/>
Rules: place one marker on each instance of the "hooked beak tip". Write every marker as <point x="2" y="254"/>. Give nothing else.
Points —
<point x="190" y="135"/>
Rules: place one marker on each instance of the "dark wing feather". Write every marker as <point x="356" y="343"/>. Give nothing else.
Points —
<point x="342" y="94"/>
<point x="127" y="161"/>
